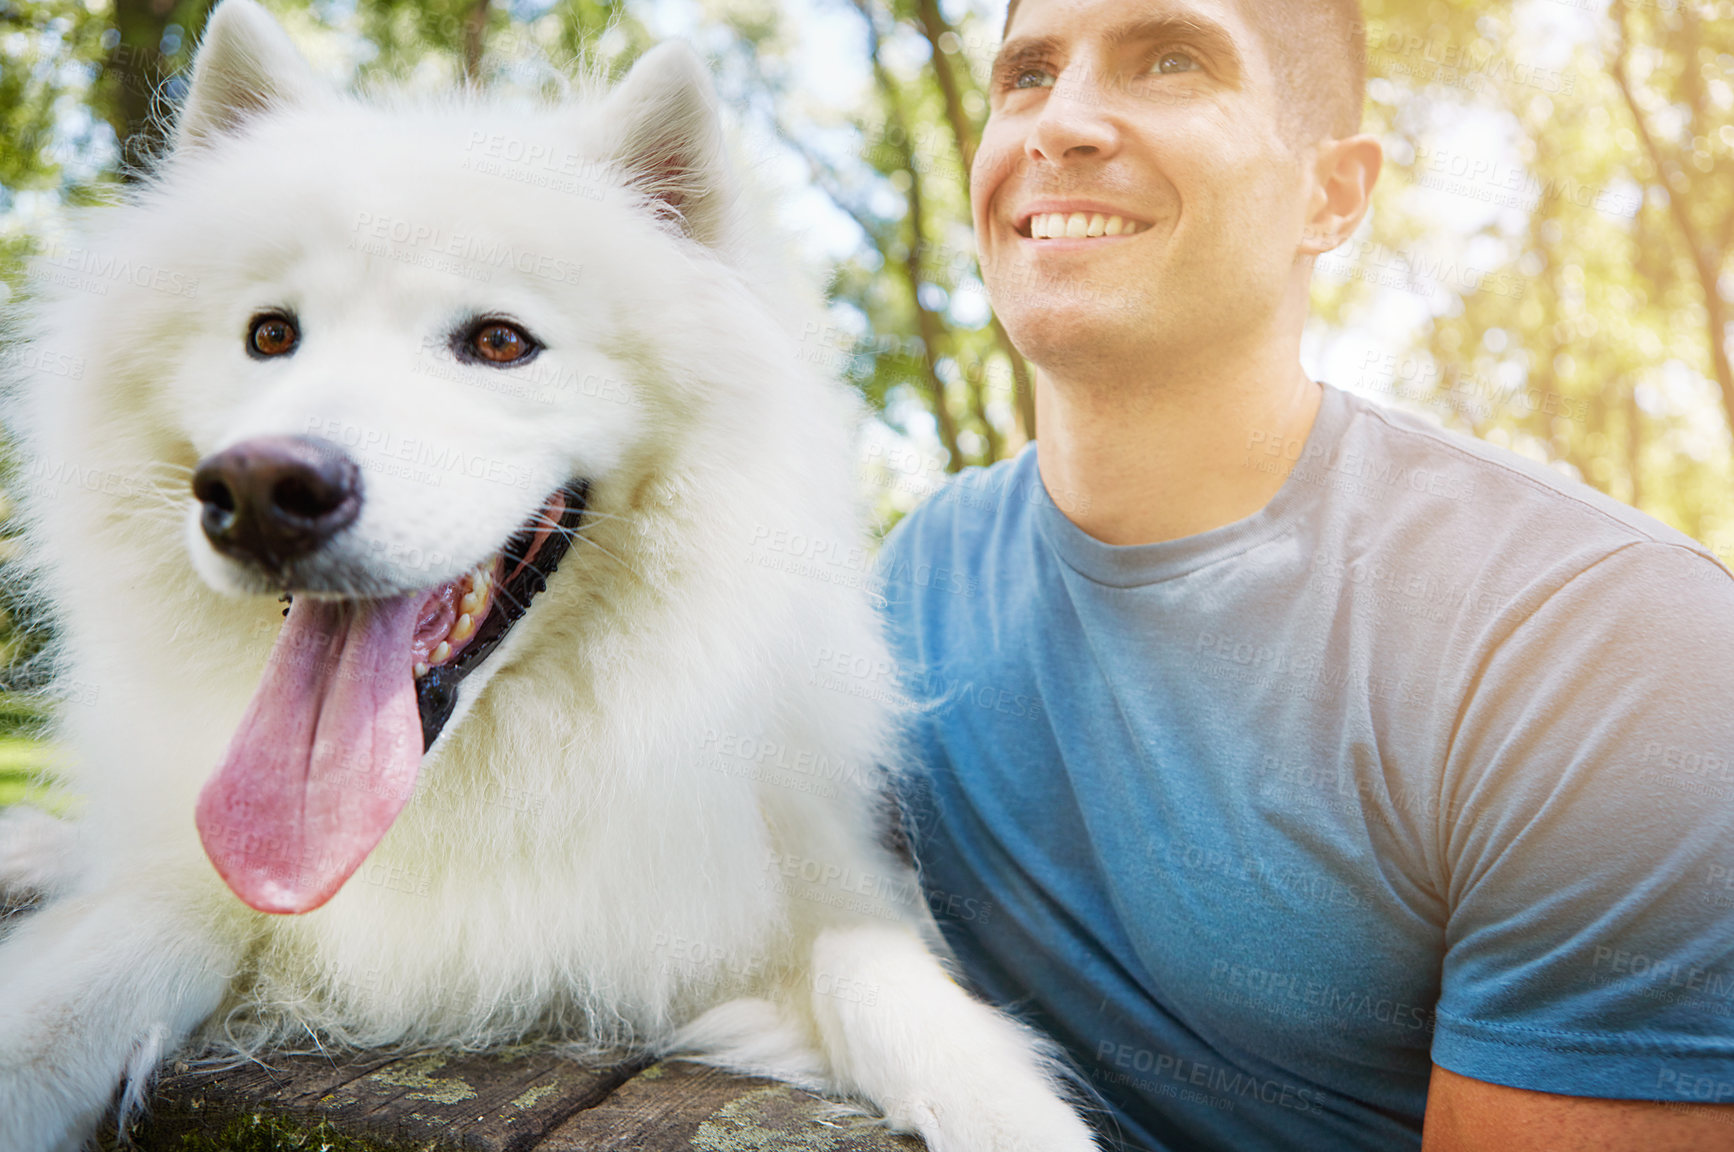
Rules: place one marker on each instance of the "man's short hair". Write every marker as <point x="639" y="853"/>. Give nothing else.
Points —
<point x="1319" y="51"/>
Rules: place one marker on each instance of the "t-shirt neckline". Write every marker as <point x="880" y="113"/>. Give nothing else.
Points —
<point x="1129" y="566"/>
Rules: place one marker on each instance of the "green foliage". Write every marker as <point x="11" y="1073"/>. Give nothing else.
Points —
<point x="470" y="40"/>
<point x="24" y="775"/>
<point x="1581" y="320"/>
<point x="48" y="50"/>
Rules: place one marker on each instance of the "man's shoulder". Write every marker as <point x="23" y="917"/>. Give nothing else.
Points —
<point x="939" y="556"/>
<point x="1412" y="480"/>
<point x="1446" y="507"/>
<point x="968" y="507"/>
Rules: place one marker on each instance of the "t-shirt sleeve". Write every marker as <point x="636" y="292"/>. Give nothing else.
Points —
<point x="1586" y="841"/>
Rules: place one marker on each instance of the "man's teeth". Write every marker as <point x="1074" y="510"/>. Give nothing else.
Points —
<point x="1079" y="225"/>
<point x="477" y="588"/>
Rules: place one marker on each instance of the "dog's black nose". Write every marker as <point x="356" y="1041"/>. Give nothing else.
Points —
<point x="275" y="499"/>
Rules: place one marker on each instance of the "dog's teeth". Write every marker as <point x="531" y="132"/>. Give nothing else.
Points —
<point x="463" y="629"/>
<point x="441" y="654"/>
<point x="471" y="604"/>
<point x="420" y="669"/>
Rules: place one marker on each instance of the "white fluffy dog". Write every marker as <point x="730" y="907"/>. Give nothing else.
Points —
<point x="397" y="360"/>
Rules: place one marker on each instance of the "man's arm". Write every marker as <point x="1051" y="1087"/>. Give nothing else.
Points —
<point x="1587" y="834"/>
<point x="1465" y="1115"/>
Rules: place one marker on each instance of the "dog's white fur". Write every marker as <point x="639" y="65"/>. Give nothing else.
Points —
<point x="573" y="860"/>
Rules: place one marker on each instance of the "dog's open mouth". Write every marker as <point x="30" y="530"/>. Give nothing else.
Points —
<point x="354" y="692"/>
<point x="460" y="624"/>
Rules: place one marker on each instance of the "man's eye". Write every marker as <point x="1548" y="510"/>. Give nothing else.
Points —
<point x="1031" y="78"/>
<point x="1175" y="61"/>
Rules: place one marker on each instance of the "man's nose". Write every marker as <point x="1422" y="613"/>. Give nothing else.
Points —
<point x="1076" y="120"/>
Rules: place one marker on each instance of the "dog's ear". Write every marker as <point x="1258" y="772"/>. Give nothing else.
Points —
<point x="246" y="65"/>
<point x="665" y="134"/>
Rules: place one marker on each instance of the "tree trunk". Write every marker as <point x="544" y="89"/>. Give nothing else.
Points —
<point x="934" y="26"/>
<point x="133" y="74"/>
<point x="1674" y="180"/>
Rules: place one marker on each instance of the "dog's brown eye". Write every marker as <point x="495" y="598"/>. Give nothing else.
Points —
<point x="500" y="344"/>
<point x="272" y="335"/>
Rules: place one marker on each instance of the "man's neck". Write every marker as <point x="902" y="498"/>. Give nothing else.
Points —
<point x="1141" y="460"/>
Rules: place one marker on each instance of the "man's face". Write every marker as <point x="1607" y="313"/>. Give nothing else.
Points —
<point x="1158" y="114"/>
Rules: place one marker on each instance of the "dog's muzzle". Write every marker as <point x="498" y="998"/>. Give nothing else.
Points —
<point x="356" y="689"/>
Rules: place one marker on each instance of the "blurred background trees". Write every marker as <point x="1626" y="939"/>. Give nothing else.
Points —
<point x="1547" y="264"/>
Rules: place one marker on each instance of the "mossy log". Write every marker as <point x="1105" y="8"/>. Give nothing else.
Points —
<point x="517" y="1100"/>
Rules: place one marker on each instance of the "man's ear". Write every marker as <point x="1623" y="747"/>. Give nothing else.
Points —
<point x="1344" y="172"/>
<point x="246" y="65"/>
<point x="664" y="133"/>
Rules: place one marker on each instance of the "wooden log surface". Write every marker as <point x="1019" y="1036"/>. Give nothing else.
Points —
<point x="523" y="1099"/>
<point x="516" y="1100"/>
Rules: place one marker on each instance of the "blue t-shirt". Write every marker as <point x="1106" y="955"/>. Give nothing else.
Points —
<point x="1430" y="760"/>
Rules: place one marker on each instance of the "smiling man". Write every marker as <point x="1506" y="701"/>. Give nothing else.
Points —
<point x="1318" y="779"/>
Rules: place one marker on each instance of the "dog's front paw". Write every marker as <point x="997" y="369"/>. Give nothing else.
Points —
<point x="36" y="851"/>
<point x="1003" y="1122"/>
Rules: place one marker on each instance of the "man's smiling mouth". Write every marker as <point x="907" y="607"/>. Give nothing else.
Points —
<point x="1078" y="226"/>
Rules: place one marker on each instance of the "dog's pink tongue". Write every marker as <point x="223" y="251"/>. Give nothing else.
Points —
<point x="325" y="757"/>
